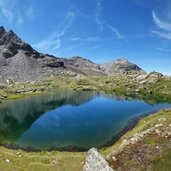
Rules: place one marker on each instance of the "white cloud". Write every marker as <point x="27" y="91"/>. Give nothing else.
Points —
<point x="98" y="15"/>
<point x="6" y="11"/>
<point x="30" y="13"/>
<point x="19" y="18"/>
<point x="7" y="14"/>
<point x="164" y="49"/>
<point x="118" y="34"/>
<point x="7" y="3"/>
<point x="162" y="25"/>
<point x="70" y="17"/>
<point x="53" y="42"/>
<point x="162" y="34"/>
<point x="158" y="48"/>
<point x="3" y="3"/>
<point x="47" y="44"/>
<point x="13" y="13"/>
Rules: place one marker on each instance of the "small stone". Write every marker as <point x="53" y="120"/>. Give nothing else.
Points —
<point x="125" y="142"/>
<point x="135" y="139"/>
<point x="169" y="133"/>
<point x="157" y="131"/>
<point x="114" y="158"/>
<point x="162" y="119"/>
<point x="53" y="162"/>
<point x="108" y="157"/>
<point x="7" y="160"/>
<point x="158" y="125"/>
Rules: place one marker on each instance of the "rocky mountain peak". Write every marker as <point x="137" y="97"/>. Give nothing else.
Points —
<point x="11" y="44"/>
<point x="2" y="29"/>
<point x="8" y="37"/>
<point x="119" y="66"/>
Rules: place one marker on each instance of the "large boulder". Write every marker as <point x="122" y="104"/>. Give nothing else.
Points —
<point x="96" y="162"/>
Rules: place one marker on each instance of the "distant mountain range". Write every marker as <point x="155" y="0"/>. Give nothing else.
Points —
<point x="19" y="62"/>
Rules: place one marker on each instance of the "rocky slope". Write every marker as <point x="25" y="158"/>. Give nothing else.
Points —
<point x="19" y="62"/>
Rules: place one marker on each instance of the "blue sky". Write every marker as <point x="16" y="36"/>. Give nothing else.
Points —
<point x="100" y="30"/>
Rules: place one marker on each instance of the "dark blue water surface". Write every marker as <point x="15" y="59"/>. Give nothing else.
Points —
<point x="64" y="118"/>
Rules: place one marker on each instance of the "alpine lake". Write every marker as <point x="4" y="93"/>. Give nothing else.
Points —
<point x="69" y="120"/>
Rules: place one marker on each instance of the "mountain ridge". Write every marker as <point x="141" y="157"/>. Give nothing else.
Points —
<point x="19" y="62"/>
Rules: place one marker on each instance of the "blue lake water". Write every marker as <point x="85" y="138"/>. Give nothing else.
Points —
<point x="63" y="118"/>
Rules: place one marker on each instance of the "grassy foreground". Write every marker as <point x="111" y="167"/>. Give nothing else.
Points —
<point x="158" y="157"/>
<point x="18" y="160"/>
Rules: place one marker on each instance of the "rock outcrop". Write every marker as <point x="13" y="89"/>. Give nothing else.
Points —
<point x="96" y="162"/>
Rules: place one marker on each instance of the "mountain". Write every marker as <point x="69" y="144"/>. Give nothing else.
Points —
<point x="120" y="65"/>
<point x="19" y="62"/>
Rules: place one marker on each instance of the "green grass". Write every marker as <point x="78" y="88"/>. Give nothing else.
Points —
<point x="163" y="162"/>
<point x="35" y="161"/>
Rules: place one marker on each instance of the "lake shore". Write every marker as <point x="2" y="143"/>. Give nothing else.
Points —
<point x="157" y="92"/>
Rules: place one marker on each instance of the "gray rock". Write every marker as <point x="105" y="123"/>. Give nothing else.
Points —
<point x="54" y="162"/>
<point x="96" y="162"/>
